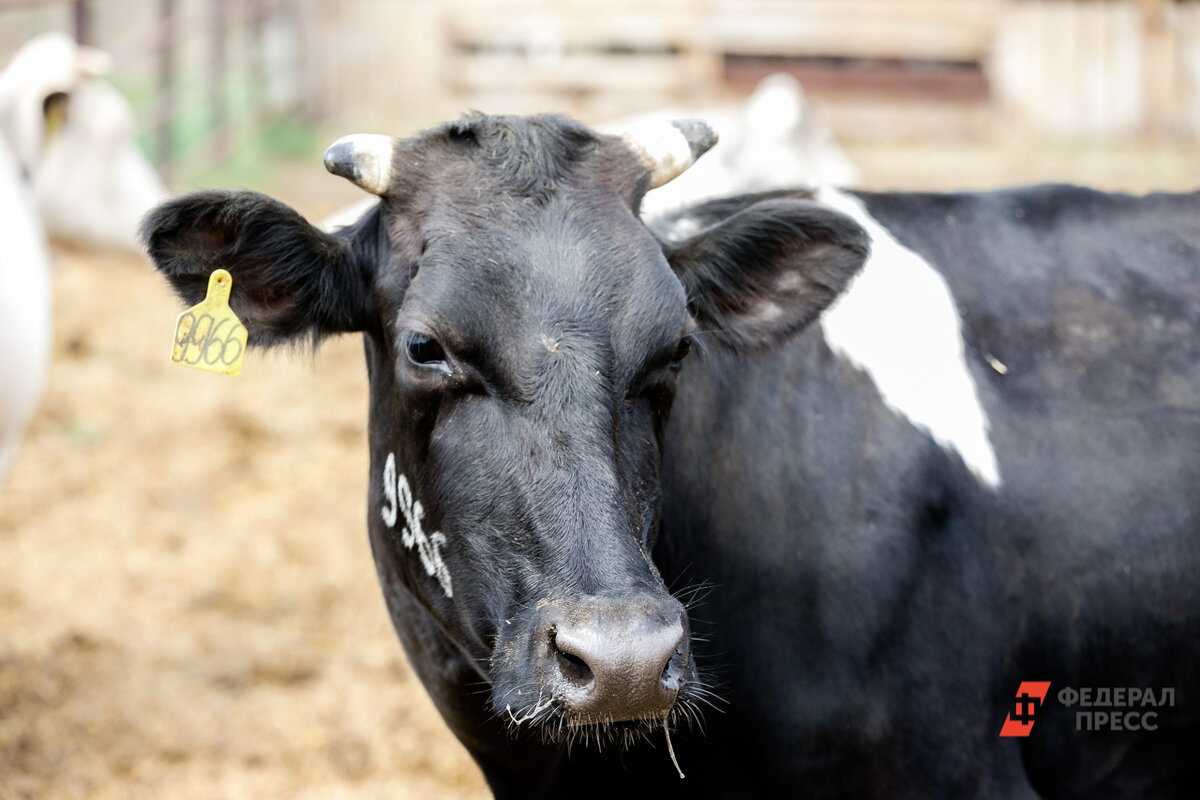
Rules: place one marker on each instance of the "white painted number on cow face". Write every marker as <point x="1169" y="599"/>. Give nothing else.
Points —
<point x="398" y="499"/>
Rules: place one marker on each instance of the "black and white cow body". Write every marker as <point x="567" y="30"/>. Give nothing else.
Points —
<point x="885" y="595"/>
<point x="882" y="507"/>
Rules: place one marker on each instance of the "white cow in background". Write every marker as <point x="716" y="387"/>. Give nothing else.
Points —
<point x="68" y="167"/>
<point x="774" y="140"/>
<point x="73" y="136"/>
<point x="24" y="306"/>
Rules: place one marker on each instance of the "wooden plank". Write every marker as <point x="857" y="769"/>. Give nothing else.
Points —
<point x="882" y="81"/>
<point x="909" y="119"/>
<point x="5" y="5"/>
<point x="579" y="9"/>
<point x="537" y="25"/>
<point x="391" y="83"/>
<point x="923" y="29"/>
<point x="1072" y="68"/>
<point x="1188" y="50"/>
<point x="1126" y="98"/>
<point x="1160" y="59"/>
<point x="575" y="72"/>
<point x="573" y="49"/>
<point x="589" y="107"/>
<point x="950" y="30"/>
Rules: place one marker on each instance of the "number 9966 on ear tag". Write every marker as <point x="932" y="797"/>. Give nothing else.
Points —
<point x="209" y="336"/>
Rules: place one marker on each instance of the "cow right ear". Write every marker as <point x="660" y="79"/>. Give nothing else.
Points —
<point x="290" y="279"/>
<point x="759" y="273"/>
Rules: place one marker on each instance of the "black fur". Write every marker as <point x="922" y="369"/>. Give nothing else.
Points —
<point x="289" y="278"/>
<point x="769" y="268"/>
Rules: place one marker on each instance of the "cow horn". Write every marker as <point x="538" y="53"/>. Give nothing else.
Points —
<point x="668" y="148"/>
<point x="364" y="159"/>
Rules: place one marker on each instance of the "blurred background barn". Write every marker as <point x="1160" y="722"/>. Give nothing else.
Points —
<point x="209" y="77"/>
<point x="187" y="603"/>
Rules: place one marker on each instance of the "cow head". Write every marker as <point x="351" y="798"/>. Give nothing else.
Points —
<point x="524" y="335"/>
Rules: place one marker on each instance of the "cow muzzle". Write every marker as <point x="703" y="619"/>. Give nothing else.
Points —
<point x="606" y="661"/>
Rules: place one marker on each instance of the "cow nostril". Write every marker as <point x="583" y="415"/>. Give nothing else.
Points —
<point x="572" y="667"/>
<point x="675" y="669"/>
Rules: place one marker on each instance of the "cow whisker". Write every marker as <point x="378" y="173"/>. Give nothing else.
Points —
<point x="670" y="748"/>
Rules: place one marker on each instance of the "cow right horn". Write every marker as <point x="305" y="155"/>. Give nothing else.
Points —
<point x="666" y="149"/>
<point x="364" y="159"/>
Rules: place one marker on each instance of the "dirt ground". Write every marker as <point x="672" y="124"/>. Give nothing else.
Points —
<point x="188" y="607"/>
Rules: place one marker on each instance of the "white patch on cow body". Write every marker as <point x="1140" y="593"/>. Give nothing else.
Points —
<point x="398" y="499"/>
<point x="25" y="329"/>
<point x="898" y="323"/>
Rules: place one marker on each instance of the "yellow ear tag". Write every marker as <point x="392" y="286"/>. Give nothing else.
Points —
<point x="209" y="336"/>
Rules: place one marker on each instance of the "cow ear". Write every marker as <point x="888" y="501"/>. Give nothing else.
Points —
<point x="290" y="279"/>
<point x="765" y="272"/>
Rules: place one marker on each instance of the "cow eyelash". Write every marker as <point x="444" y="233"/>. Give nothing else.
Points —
<point x="424" y="352"/>
<point x="659" y="377"/>
<point x="681" y="351"/>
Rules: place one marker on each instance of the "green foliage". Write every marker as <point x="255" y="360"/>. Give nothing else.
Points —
<point x="255" y="161"/>
<point x="243" y="146"/>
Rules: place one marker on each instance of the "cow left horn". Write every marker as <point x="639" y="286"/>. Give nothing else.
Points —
<point x="668" y="148"/>
<point x="364" y="159"/>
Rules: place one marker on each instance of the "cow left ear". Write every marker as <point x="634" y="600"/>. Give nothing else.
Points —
<point x="290" y="279"/>
<point x="767" y="271"/>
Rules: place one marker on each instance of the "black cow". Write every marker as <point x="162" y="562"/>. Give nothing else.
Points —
<point x="829" y="569"/>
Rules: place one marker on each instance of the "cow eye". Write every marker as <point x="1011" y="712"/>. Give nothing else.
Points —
<point x="424" y="351"/>
<point x="685" y="347"/>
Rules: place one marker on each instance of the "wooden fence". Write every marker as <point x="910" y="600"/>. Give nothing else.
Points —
<point x="877" y="68"/>
<point x="592" y="60"/>
<point x="1102" y="67"/>
<point x="1077" y="67"/>
<point x="203" y="74"/>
